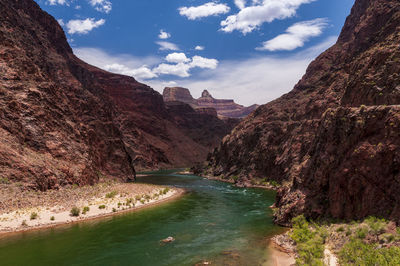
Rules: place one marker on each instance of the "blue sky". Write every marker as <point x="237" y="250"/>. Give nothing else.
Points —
<point x="250" y="50"/>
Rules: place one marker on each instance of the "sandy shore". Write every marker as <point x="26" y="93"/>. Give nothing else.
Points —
<point x="108" y="199"/>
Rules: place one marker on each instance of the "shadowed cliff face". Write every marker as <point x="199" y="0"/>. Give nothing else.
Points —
<point x="63" y="121"/>
<point x="224" y="108"/>
<point x="295" y="140"/>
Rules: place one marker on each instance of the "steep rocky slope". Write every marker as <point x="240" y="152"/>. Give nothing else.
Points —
<point x="333" y="140"/>
<point x="63" y="121"/>
<point x="224" y="108"/>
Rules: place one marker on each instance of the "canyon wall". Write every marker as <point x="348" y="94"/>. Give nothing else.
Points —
<point x="63" y="121"/>
<point x="333" y="140"/>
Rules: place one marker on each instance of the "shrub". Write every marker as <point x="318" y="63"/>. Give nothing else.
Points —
<point x="147" y="197"/>
<point x="274" y="183"/>
<point x="119" y="204"/>
<point x="114" y="209"/>
<point x="111" y="194"/>
<point x="75" y="211"/>
<point x="4" y="180"/>
<point x="356" y="252"/>
<point x="34" y="216"/>
<point x="361" y="232"/>
<point x="142" y="201"/>
<point x="138" y="197"/>
<point x="165" y="190"/>
<point x="52" y="218"/>
<point x="310" y="243"/>
<point x="340" y="229"/>
<point x="102" y="207"/>
<point x="24" y="223"/>
<point x="85" y="209"/>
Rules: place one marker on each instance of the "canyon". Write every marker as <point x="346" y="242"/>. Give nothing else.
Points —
<point x="224" y="108"/>
<point x="63" y="121"/>
<point x="333" y="141"/>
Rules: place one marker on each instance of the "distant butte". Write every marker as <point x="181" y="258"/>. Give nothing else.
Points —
<point x="224" y="108"/>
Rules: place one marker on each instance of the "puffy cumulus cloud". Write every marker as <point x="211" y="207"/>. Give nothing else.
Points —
<point x="253" y="80"/>
<point x="142" y="72"/>
<point x="180" y="69"/>
<point x="251" y="17"/>
<point x="240" y="3"/>
<point x="184" y="65"/>
<point x="145" y="68"/>
<point x="83" y="26"/>
<point x="104" y="6"/>
<point x="206" y="10"/>
<point x="167" y="46"/>
<point x="177" y="58"/>
<point x="164" y="35"/>
<point x="296" y="35"/>
<point x="57" y="2"/>
<point x="119" y="63"/>
<point x="201" y="62"/>
<point x="199" y="48"/>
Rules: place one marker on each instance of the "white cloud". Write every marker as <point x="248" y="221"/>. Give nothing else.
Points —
<point x="141" y="73"/>
<point x="251" y="17"/>
<point x="57" y="2"/>
<point x="201" y="62"/>
<point x="83" y="26"/>
<point x="296" y="35"/>
<point x="208" y="9"/>
<point x="104" y="6"/>
<point x="180" y="69"/>
<point x="119" y="63"/>
<point x="184" y="65"/>
<point x="240" y="3"/>
<point x="164" y="35"/>
<point x="199" y="48"/>
<point x="255" y="80"/>
<point x="78" y="7"/>
<point x="177" y="58"/>
<point x="165" y="46"/>
<point x="61" y="22"/>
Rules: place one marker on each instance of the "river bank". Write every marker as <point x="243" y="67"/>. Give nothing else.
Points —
<point x="31" y="210"/>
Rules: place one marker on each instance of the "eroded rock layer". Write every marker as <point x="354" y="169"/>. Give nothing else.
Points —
<point x="63" y="121"/>
<point x="224" y="108"/>
<point x="334" y="160"/>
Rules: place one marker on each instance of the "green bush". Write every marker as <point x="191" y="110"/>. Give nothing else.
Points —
<point x="165" y="190"/>
<point x="114" y="209"/>
<point x="361" y="232"/>
<point x="102" y="207"/>
<point x="24" y="223"/>
<point x="340" y="229"/>
<point x="85" y="209"/>
<point x="75" y="211"/>
<point x="52" y="218"/>
<point x="310" y="243"/>
<point x="356" y="252"/>
<point x="4" y="180"/>
<point x="34" y="216"/>
<point x="111" y="194"/>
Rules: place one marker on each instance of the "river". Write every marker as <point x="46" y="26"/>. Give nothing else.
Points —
<point x="213" y="222"/>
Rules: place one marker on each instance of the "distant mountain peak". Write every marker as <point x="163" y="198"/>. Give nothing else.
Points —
<point x="224" y="108"/>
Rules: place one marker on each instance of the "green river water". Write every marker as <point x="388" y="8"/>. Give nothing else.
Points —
<point x="213" y="222"/>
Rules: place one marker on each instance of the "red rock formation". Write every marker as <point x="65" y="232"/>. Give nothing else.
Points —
<point x="63" y="121"/>
<point x="303" y="140"/>
<point x="224" y="108"/>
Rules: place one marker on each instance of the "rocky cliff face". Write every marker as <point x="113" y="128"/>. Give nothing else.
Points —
<point x="224" y="108"/>
<point x="63" y="121"/>
<point x="335" y="156"/>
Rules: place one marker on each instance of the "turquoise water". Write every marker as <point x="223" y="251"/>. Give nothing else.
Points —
<point x="214" y="222"/>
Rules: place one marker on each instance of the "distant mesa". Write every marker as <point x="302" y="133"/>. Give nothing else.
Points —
<point x="224" y="108"/>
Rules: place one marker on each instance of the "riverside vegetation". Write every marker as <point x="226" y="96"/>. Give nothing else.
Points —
<point x="372" y="241"/>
